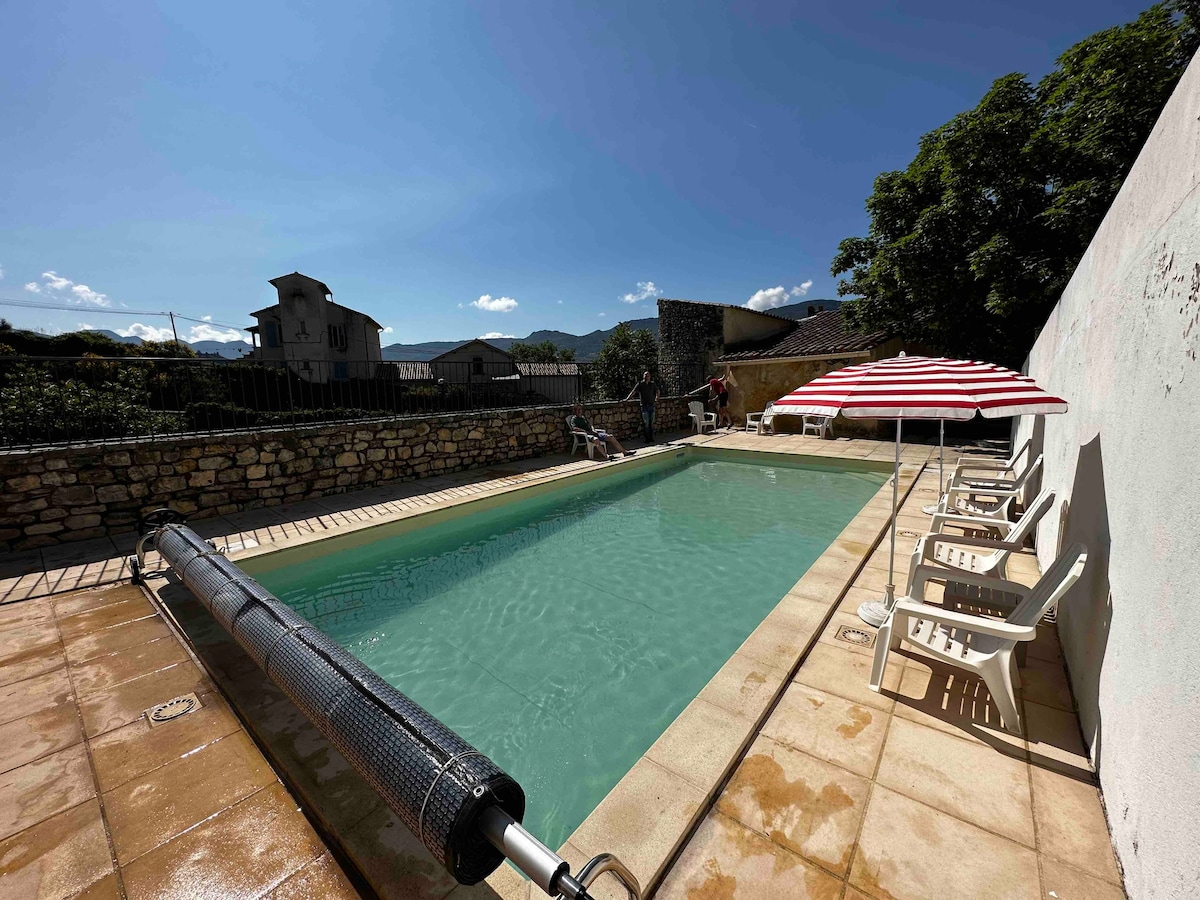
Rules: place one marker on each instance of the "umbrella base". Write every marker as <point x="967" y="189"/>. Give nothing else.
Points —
<point x="931" y="509"/>
<point x="874" y="613"/>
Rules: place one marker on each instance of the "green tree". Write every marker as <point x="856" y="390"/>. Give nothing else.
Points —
<point x="545" y="352"/>
<point x="626" y="354"/>
<point x="972" y="244"/>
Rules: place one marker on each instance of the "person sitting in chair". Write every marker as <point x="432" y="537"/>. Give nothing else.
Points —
<point x="602" y="438"/>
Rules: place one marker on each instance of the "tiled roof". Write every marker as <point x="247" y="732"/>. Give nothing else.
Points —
<point x="406" y="370"/>
<point x="555" y="368"/>
<point x="818" y="335"/>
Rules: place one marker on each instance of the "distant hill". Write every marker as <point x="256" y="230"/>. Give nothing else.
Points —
<point x="227" y="349"/>
<point x="586" y="346"/>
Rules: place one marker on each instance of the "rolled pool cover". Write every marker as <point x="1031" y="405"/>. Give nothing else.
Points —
<point x="436" y="782"/>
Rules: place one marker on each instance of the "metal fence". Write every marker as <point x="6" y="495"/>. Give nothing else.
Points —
<point x="56" y="400"/>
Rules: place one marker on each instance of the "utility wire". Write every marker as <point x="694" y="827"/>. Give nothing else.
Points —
<point x="29" y="304"/>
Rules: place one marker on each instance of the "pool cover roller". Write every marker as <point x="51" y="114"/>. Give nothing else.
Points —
<point x="436" y="782"/>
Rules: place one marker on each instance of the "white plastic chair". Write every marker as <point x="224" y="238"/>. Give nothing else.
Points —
<point x="977" y="643"/>
<point x="969" y="469"/>
<point x="817" y="425"/>
<point x="761" y="421"/>
<point x="582" y="439"/>
<point x="700" y="418"/>
<point x="985" y="501"/>
<point x="949" y="550"/>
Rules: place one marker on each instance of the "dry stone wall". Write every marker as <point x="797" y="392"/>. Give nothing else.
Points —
<point x="77" y="493"/>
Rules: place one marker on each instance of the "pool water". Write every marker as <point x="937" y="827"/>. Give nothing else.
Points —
<point x="562" y="634"/>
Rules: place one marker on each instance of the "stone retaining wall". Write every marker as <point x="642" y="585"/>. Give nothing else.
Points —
<point x="71" y="494"/>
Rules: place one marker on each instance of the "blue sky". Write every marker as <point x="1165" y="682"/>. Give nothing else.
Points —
<point x="420" y="157"/>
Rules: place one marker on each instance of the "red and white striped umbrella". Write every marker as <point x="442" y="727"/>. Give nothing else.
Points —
<point x="919" y="387"/>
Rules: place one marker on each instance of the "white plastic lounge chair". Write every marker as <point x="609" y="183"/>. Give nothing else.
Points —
<point x="817" y="425"/>
<point x="978" y="469"/>
<point x="985" y="501"/>
<point x="761" y="422"/>
<point x="583" y="439"/>
<point x="950" y="550"/>
<point x="700" y="418"/>
<point x="978" y="643"/>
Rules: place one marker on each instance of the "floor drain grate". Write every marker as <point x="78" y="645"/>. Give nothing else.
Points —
<point x="906" y="533"/>
<point x="173" y="709"/>
<point x="852" y="635"/>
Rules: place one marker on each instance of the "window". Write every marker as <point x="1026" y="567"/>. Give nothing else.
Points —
<point x="341" y="371"/>
<point x="476" y="365"/>
<point x="337" y="337"/>
<point x="303" y="328"/>
<point x="271" y="334"/>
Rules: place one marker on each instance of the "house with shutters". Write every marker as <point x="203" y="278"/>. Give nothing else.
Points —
<point x="320" y="340"/>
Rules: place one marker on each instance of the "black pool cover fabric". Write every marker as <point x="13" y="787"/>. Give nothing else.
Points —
<point x="430" y="777"/>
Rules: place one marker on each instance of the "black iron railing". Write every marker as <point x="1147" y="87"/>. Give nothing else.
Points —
<point x="55" y="400"/>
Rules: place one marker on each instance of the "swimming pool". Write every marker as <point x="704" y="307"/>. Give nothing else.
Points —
<point x="562" y="633"/>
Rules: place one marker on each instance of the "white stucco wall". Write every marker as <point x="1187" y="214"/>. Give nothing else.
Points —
<point x="1122" y="347"/>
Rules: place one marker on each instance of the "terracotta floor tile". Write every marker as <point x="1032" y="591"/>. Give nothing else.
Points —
<point x="1066" y="883"/>
<point x="152" y="809"/>
<point x="107" y="888"/>
<point x="829" y="727"/>
<point x="394" y="861"/>
<point x="784" y="633"/>
<point x="137" y="748"/>
<point x="911" y="851"/>
<point x="81" y="601"/>
<point x="120" y="705"/>
<point x="23" y="698"/>
<point x="24" y="613"/>
<point x="44" y="788"/>
<point x="26" y="637"/>
<point x="804" y="804"/>
<point x="244" y="851"/>
<point x="36" y="735"/>
<point x="954" y="701"/>
<point x="966" y="779"/>
<point x="847" y="674"/>
<point x="87" y="646"/>
<point x="56" y="858"/>
<point x="1071" y="824"/>
<point x="726" y="860"/>
<point x="1054" y="741"/>
<point x="1046" y="683"/>
<point x="116" y="668"/>
<point x="36" y="660"/>
<point x="105" y="617"/>
<point x="322" y="878"/>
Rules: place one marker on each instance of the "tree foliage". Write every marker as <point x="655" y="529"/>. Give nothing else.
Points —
<point x="626" y="354"/>
<point x="972" y="244"/>
<point x="545" y="352"/>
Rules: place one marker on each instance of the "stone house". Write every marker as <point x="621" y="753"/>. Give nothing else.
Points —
<point x="767" y="355"/>
<point x="320" y="340"/>
<point x="479" y="363"/>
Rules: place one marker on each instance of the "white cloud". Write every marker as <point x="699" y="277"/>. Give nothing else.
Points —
<point x="81" y="293"/>
<point x="801" y="289"/>
<point x="646" y="290"/>
<point x="388" y="330"/>
<point x="492" y="335"/>
<point x="559" y="303"/>
<point x="496" y="304"/>
<point x="1" y="273"/>
<point x="602" y="315"/>
<point x="164" y="333"/>
<point x="768" y="298"/>
<point x="211" y="333"/>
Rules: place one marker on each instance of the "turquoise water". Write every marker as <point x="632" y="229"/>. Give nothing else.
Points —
<point x="562" y="634"/>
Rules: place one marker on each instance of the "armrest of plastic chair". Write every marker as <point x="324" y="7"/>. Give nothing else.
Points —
<point x="908" y="607"/>
<point x="931" y="541"/>
<point x="964" y="521"/>
<point x="967" y="490"/>
<point x="924" y="573"/>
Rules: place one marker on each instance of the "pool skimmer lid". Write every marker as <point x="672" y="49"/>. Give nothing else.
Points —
<point x="173" y="709"/>
<point x="852" y="635"/>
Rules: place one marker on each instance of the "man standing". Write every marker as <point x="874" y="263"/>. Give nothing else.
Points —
<point x="720" y="394"/>
<point x="647" y="393"/>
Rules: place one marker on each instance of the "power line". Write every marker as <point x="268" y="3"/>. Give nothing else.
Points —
<point x="29" y="304"/>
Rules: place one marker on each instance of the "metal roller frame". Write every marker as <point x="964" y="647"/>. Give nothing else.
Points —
<point x="460" y="805"/>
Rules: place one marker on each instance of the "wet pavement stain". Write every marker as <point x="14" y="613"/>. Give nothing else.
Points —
<point x="860" y="718"/>
<point x="716" y="885"/>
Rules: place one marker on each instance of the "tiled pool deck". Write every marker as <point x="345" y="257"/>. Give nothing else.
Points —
<point x="786" y="777"/>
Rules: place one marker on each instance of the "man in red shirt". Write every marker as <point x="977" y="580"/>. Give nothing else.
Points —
<point x="720" y="393"/>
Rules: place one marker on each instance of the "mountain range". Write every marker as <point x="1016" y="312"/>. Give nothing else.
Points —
<point x="586" y="346"/>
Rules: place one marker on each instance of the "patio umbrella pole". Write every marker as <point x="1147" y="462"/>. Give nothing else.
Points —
<point x="932" y="508"/>
<point x="873" y="612"/>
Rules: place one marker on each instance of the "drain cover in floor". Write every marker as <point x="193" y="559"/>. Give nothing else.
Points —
<point x="852" y="635"/>
<point x="173" y="709"/>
